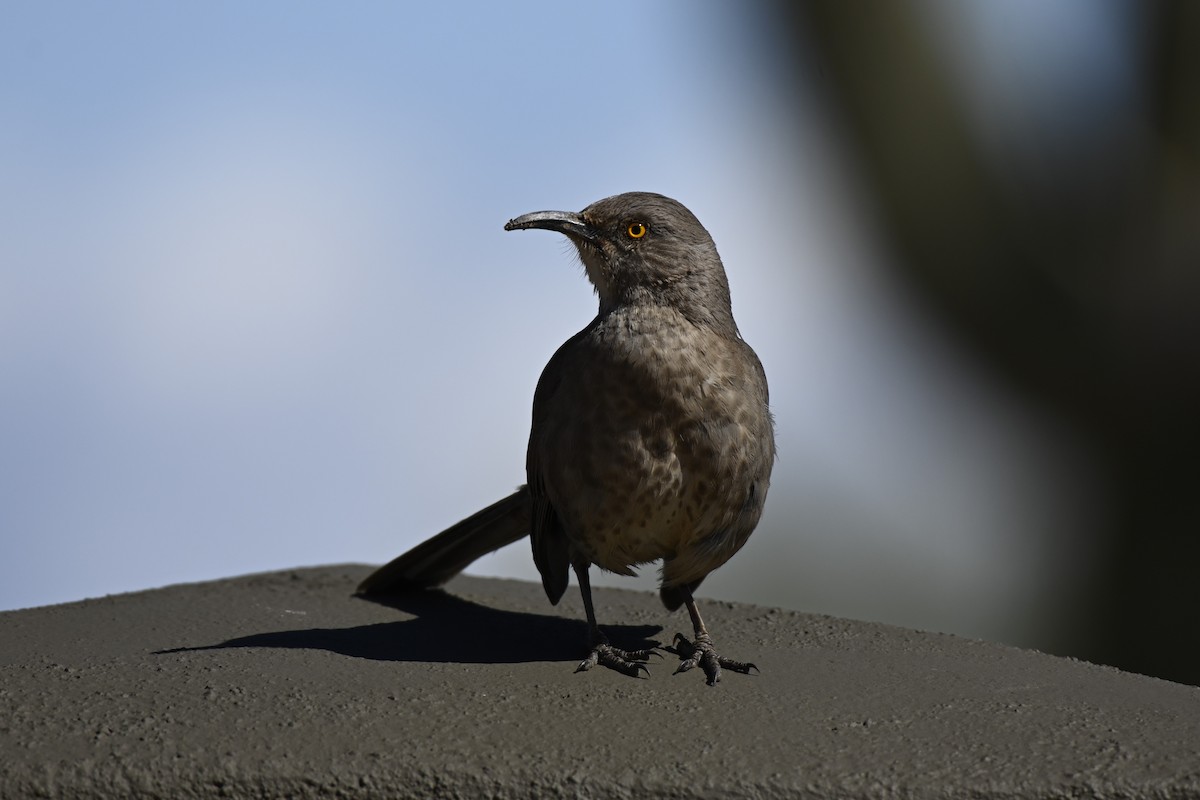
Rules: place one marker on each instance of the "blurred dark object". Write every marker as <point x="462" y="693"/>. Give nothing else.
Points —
<point x="1073" y="273"/>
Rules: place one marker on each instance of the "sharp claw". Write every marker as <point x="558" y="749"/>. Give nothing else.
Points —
<point x="631" y="668"/>
<point x="743" y="667"/>
<point x="588" y="662"/>
<point x="685" y="665"/>
<point x="641" y="655"/>
<point x="700" y="653"/>
<point x="682" y="646"/>
<point x="629" y="663"/>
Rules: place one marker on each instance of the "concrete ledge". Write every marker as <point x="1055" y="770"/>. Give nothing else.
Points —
<point x="284" y="685"/>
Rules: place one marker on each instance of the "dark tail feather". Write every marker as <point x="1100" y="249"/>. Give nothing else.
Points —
<point x="437" y="560"/>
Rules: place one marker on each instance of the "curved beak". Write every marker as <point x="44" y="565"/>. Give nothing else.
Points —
<point x="568" y="222"/>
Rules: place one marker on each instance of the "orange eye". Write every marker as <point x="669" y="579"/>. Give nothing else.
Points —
<point x="636" y="230"/>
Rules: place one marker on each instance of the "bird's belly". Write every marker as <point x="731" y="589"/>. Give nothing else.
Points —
<point x="642" y="459"/>
<point x="629" y="528"/>
<point x="642" y="494"/>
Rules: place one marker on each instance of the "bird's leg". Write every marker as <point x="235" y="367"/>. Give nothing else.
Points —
<point x="699" y="651"/>
<point x="629" y="662"/>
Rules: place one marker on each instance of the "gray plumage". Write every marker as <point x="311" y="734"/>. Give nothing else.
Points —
<point x="651" y="436"/>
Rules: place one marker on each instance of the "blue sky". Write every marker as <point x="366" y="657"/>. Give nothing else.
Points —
<point x="257" y="309"/>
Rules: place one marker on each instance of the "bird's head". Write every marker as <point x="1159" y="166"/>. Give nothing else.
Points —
<point x="644" y="248"/>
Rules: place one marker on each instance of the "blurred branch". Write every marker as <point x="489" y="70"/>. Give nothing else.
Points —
<point x="1085" y="299"/>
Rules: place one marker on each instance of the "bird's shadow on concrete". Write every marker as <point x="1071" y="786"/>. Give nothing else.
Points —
<point x="447" y="629"/>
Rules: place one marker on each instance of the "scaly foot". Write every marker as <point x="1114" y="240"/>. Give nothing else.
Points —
<point x="627" y="662"/>
<point x="701" y="653"/>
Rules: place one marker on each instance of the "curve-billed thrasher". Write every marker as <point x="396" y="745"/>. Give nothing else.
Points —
<point x="651" y="435"/>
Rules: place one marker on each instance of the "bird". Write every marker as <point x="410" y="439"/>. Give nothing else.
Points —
<point x="651" y="440"/>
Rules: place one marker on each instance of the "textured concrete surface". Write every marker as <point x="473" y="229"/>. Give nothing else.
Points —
<point x="283" y="685"/>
